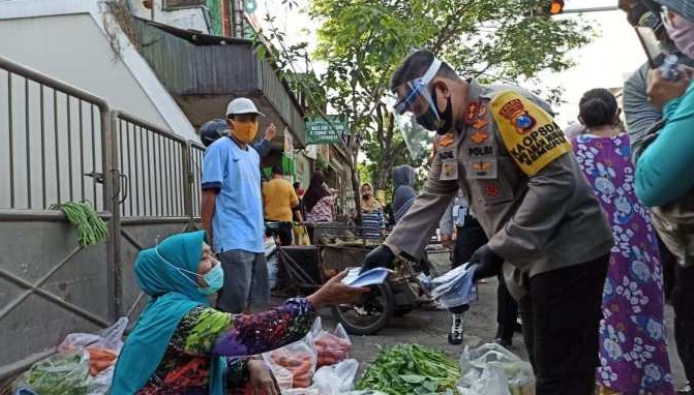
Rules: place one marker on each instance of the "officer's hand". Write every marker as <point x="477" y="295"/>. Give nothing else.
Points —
<point x="660" y="91"/>
<point x="381" y="256"/>
<point x="487" y="263"/>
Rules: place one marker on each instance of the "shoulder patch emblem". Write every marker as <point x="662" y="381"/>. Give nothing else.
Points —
<point x="530" y="135"/>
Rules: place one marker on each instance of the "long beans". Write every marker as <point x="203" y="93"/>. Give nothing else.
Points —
<point x="91" y="229"/>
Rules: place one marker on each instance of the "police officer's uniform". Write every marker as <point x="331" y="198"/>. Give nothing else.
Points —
<point x="527" y="191"/>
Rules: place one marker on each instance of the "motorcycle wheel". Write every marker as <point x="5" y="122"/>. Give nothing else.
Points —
<point x="370" y="314"/>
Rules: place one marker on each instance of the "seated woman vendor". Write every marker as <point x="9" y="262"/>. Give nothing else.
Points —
<point x="181" y="345"/>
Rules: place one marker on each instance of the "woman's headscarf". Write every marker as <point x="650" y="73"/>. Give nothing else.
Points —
<point x="316" y="191"/>
<point x="173" y="296"/>
<point x="370" y="203"/>
<point x="404" y="193"/>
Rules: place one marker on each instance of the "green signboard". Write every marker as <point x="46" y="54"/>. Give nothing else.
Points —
<point x="319" y="131"/>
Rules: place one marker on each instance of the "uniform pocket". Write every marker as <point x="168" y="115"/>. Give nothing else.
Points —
<point x="487" y="178"/>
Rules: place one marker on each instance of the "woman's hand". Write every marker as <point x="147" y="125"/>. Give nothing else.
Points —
<point x="261" y="378"/>
<point x="335" y="292"/>
<point x="660" y="91"/>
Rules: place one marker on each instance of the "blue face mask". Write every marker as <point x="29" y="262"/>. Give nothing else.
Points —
<point x="214" y="278"/>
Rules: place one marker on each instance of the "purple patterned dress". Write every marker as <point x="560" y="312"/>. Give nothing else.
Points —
<point x="633" y="350"/>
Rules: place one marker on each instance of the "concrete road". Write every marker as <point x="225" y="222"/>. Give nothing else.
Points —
<point x="430" y="327"/>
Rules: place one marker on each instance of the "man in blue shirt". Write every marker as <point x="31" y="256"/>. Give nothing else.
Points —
<point x="232" y="209"/>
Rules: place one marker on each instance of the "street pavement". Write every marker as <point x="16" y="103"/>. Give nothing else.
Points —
<point x="429" y="327"/>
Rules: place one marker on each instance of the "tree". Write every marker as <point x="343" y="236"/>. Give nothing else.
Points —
<point x="362" y="41"/>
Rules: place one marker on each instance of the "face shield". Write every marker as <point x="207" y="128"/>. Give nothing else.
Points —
<point x="416" y="113"/>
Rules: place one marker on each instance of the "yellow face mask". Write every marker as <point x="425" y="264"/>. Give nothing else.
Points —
<point x="244" y="132"/>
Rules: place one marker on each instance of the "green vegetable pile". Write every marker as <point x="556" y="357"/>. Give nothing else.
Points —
<point x="91" y="229"/>
<point x="62" y="374"/>
<point x="411" y="369"/>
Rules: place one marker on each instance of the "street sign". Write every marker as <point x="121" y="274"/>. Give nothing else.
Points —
<point x="318" y="131"/>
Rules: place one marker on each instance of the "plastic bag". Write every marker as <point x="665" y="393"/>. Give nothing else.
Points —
<point x="283" y="377"/>
<point x="101" y="384"/>
<point x="299" y="358"/>
<point x="110" y="338"/>
<point x="454" y="288"/>
<point x="65" y="373"/>
<point x="301" y="391"/>
<point x="331" y="347"/>
<point x="364" y="392"/>
<point x="493" y="370"/>
<point x="336" y="379"/>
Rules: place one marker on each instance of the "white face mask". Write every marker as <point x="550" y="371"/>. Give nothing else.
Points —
<point x="681" y="32"/>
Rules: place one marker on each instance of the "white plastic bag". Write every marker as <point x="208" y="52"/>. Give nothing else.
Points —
<point x="283" y="377"/>
<point x="493" y="370"/>
<point x="336" y="379"/>
<point x="331" y="347"/>
<point x="110" y="338"/>
<point x="454" y="288"/>
<point x="301" y="391"/>
<point x="299" y="358"/>
<point x="101" y="384"/>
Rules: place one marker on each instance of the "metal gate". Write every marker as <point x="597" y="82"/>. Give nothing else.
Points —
<point x="57" y="144"/>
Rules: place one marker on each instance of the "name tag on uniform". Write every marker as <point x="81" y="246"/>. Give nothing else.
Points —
<point x="449" y="166"/>
<point x="482" y="169"/>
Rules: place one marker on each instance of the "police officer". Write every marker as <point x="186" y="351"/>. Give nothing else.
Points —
<point x="543" y="222"/>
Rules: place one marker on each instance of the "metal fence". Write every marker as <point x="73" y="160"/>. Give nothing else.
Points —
<point x="58" y="144"/>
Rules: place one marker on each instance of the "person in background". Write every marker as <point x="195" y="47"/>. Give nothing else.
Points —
<point x="300" y="193"/>
<point x="210" y="131"/>
<point x="281" y="205"/>
<point x="232" y="209"/>
<point x="641" y="116"/>
<point x="182" y="345"/>
<point x="373" y="221"/>
<point x="318" y="202"/>
<point x="404" y="193"/>
<point x="663" y="174"/>
<point x="469" y="236"/>
<point x="633" y="305"/>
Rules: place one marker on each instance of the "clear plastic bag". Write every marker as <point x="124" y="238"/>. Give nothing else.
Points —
<point x="301" y="391"/>
<point x="283" y="377"/>
<point x="101" y="384"/>
<point x="110" y="338"/>
<point x="336" y="379"/>
<point x="299" y="358"/>
<point x="331" y="347"/>
<point x="493" y="370"/>
<point x="454" y="288"/>
<point x="65" y="373"/>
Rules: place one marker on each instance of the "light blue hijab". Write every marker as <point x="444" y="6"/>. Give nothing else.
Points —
<point x="173" y="296"/>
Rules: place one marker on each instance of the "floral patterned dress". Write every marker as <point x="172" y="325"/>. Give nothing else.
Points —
<point x="633" y="350"/>
<point x="206" y="332"/>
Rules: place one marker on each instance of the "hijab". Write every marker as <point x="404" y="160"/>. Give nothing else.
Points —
<point x="404" y="194"/>
<point x="173" y="295"/>
<point x="316" y="191"/>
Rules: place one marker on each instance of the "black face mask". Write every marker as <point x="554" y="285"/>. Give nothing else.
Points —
<point x="446" y="116"/>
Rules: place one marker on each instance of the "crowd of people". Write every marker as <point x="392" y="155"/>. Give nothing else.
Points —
<point x="590" y="235"/>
